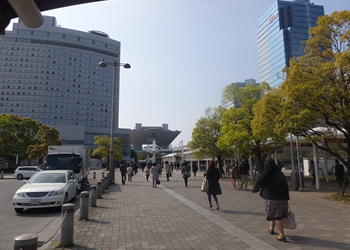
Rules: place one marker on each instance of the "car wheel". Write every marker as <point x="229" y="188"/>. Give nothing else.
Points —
<point x="19" y="210"/>
<point x="19" y="177"/>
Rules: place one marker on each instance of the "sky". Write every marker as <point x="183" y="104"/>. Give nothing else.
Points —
<point x="183" y="53"/>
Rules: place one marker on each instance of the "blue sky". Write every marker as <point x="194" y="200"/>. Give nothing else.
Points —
<point x="183" y="53"/>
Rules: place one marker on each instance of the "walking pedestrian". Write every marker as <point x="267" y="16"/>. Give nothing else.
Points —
<point x="244" y="170"/>
<point x="194" y="169"/>
<point x="236" y="175"/>
<point x="167" y="169"/>
<point x="339" y="172"/>
<point x="148" y="170"/>
<point x="186" y="172"/>
<point x="155" y="174"/>
<point x="213" y="177"/>
<point x="134" y="167"/>
<point x="123" y="172"/>
<point x="227" y="169"/>
<point x="312" y="171"/>
<point x="130" y="172"/>
<point x="273" y="188"/>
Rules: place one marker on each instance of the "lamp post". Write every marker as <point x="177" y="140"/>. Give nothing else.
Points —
<point x="126" y="66"/>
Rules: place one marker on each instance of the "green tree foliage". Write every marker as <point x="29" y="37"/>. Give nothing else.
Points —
<point x="133" y="154"/>
<point x="17" y="135"/>
<point x="104" y="149"/>
<point x="206" y="134"/>
<point x="237" y="131"/>
<point x="46" y="136"/>
<point x="316" y="92"/>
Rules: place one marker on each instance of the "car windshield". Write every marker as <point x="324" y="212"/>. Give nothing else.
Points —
<point x="49" y="178"/>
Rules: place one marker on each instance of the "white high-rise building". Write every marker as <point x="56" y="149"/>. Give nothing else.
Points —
<point x="52" y="75"/>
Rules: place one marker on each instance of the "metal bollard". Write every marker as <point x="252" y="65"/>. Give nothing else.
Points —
<point x="106" y="182"/>
<point x="93" y="196"/>
<point x="26" y="242"/>
<point x="103" y="174"/>
<point x="84" y="205"/>
<point x="108" y="179"/>
<point x="103" y="186"/>
<point x="99" y="190"/>
<point x="67" y="224"/>
<point x="94" y="176"/>
<point x="2" y="174"/>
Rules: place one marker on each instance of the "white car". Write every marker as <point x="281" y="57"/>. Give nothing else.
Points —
<point x="25" y="172"/>
<point x="51" y="188"/>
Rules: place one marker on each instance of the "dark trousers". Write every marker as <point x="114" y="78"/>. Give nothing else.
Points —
<point x="186" y="179"/>
<point x="340" y="180"/>
<point x="215" y="199"/>
<point x="167" y="177"/>
<point x="147" y="176"/>
<point x="123" y="178"/>
<point x="313" y="179"/>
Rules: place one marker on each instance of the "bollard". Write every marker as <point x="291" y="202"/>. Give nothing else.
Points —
<point x="108" y="179"/>
<point x="106" y="182"/>
<point x="93" y="195"/>
<point x="84" y="205"/>
<point x="99" y="190"/>
<point x="103" y="174"/>
<point x="2" y="174"/>
<point x="103" y="186"/>
<point x="67" y="224"/>
<point x="94" y="176"/>
<point x="26" y="242"/>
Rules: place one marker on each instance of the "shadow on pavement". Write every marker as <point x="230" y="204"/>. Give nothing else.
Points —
<point x="243" y="212"/>
<point x="313" y="242"/>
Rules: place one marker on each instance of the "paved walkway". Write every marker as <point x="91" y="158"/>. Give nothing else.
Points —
<point x="172" y="216"/>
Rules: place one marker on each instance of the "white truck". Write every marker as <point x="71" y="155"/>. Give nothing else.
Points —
<point x="74" y="158"/>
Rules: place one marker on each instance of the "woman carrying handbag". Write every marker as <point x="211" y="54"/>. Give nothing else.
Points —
<point x="273" y="188"/>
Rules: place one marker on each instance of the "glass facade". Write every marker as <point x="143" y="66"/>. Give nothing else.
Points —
<point x="281" y="32"/>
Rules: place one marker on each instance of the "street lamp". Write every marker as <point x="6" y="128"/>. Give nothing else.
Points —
<point x="126" y="66"/>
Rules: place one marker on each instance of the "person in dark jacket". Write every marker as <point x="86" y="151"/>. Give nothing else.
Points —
<point x="213" y="177"/>
<point x="339" y="172"/>
<point x="244" y="169"/>
<point x="186" y="172"/>
<point x="273" y="188"/>
<point x="123" y="172"/>
<point x="194" y="169"/>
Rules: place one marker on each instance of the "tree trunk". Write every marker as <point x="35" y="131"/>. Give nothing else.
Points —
<point x="346" y="182"/>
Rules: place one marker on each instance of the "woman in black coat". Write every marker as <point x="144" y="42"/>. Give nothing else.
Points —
<point x="273" y="188"/>
<point x="213" y="177"/>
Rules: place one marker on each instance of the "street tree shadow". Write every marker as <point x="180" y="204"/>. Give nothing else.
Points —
<point x="316" y="242"/>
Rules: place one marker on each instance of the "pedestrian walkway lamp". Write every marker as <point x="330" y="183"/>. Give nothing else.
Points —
<point x="116" y="66"/>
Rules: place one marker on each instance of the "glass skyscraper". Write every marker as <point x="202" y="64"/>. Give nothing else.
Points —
<point x="282" y="30"/>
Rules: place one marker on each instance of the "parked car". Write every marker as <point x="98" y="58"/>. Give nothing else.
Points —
<point x="25" y="172"/>
<point x="51" y="188"/>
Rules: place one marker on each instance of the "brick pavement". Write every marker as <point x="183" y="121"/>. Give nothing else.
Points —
<point x="137" y="216"/>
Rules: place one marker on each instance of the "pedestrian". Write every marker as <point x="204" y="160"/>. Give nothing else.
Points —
<point x="148" y="170"/>
<point x="167" y="169"/>
<point x="244" y="170"/>
<point x="172" y="166"/>
<point x="134" y="167"/>
<point x="213" y="177"/>
<point x="274" y="190"/>
<point x="130" y="172"/>
<point x="186" y="172"/>
<point x="236" y="175"/>
<point x="177" y="165"/>
<point x="339" y="172"/>
<point x="194" y="169"/>
<point x="312" y="171"/>
<point x="123" y="172"/>
<point x="155" y="174"/>
<point x="227" y="169"/>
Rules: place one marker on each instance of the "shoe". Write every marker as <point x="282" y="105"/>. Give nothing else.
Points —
<point x="217" y="206"/>
<point x="282" y="239"/>
<point x="271" y="231"/>
<point x="210" y="208"/>
<point x="240" y="189"/>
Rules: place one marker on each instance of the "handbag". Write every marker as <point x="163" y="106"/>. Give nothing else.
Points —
<point x="187" y="174"/>
<point x="205" y="185"/>
<point x="289" y="222"/>
<point x="158" y="181"/>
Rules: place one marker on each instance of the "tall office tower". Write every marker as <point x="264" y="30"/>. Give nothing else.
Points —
<point x="282" y="29"/>
<point x="52" y="75"/>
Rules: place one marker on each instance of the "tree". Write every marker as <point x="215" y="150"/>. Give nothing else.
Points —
<point x="46" y="136"/>
<point x="104" y="149"/>
<point x="316" y="92"/>
<point x="133" y="155"/>
<point x="17" y="135"/>
<point x="237" y="128"/>
<point x="206" y="134"/>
